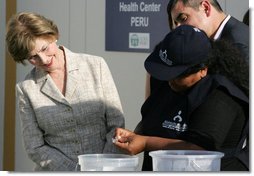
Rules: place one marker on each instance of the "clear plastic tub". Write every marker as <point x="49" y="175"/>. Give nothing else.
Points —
<point x="186" y="160"/>
<point x="108" y="162"/>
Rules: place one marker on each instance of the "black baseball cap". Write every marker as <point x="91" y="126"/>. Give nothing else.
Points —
<point x="181" y="49"/>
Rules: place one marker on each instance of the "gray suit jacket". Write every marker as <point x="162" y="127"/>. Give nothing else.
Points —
<point x="56" y="128"/>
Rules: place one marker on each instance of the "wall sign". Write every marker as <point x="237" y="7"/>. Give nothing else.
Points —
<point x="136" y="25"/>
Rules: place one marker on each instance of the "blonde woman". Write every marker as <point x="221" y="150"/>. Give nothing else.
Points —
<point x="68" y="102"/>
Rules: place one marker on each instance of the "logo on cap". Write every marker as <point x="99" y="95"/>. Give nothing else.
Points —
<point x="164" y="57"/>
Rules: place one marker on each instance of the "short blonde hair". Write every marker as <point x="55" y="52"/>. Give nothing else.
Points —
<point x="22" y="31"/>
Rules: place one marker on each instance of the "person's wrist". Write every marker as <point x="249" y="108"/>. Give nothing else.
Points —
<point x="145" y="143"/>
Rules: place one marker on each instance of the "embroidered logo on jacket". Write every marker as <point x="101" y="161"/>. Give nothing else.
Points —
<point x="176" y="123"/>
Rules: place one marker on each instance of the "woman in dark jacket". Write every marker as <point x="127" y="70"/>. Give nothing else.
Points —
<point x="198" y="101"/>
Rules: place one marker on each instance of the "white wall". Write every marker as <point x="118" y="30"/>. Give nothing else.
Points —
<point x="82" y="29"/>
<point x="2" y="76"/>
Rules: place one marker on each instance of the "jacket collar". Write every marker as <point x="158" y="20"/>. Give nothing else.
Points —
<point x="222" y="26"/>
<point x="49" y="88"/>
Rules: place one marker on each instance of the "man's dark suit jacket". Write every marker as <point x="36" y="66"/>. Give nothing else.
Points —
<point x="237" y="33"/>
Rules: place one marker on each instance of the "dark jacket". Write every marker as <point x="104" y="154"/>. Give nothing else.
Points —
<point x="213" y="114"/>
<point x="237" y="33"/>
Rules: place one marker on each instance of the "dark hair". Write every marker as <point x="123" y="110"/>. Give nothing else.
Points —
<point x="246" y="18"/>
<point x="225" y="59"/>
<point x="190" y="3"/>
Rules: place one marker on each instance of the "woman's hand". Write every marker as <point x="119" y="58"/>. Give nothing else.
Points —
<point x="129" y="142"/>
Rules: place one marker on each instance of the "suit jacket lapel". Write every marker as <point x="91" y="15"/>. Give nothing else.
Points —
<point x="72" y="84"/>
<point x="73" y="76"/>
<point x="228" y="26"/>
<point x="48" y="87"/>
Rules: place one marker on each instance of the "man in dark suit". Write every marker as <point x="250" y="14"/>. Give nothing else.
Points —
<point x="208" y="16"/>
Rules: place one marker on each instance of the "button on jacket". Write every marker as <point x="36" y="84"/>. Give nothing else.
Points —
<point x="57" y="128"/>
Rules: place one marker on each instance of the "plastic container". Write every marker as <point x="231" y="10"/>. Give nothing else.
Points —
<point x="108" y="162"/>
<point x="186" y="160"/>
